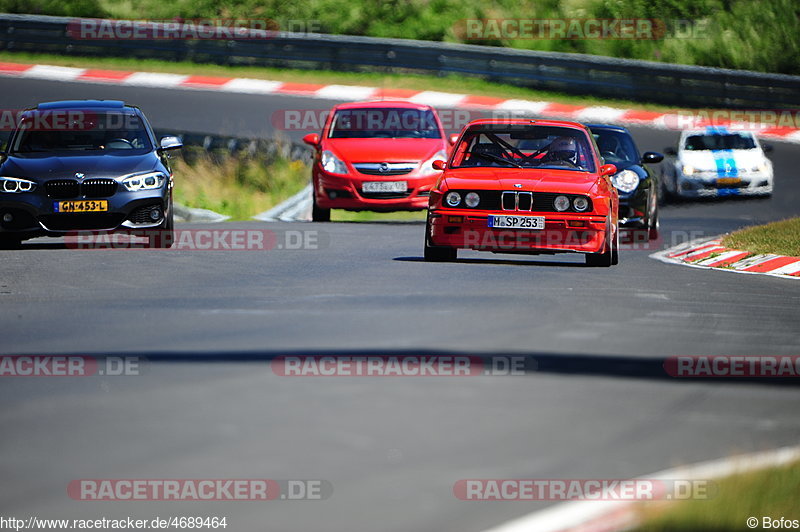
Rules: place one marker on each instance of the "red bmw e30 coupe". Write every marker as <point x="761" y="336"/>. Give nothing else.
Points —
<point x="376" y="156"/>
<point x="524" y="186"/>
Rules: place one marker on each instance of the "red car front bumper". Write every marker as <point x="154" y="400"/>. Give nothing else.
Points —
<point x="344" y="192"/>
<point x="468" y="229"/>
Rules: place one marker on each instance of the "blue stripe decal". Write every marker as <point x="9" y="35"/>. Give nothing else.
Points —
<point x="726" y="164"/>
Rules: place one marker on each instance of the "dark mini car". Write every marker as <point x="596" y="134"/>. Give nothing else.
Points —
<point x="637" y="186"/>
<point x="90" y="165"/>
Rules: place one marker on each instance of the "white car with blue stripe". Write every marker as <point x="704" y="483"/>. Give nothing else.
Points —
<point x="717" y="162"/>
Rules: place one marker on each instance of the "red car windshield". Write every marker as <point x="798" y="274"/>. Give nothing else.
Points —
<point x="384" y="123"/>
<point x="525" y="147"/>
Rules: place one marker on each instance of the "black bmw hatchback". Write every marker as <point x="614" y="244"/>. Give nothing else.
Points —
<point x="637" y="186"/>
<point x="89" y="165"/>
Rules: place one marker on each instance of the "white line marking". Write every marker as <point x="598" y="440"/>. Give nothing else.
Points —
<point x="528" y="106"/>
<point x="437" y="99"/>
<point x="154" y="79"/>
<point x="58" y="73"/>
<point x="345" y="92"/>
<point x="251" y="86"/>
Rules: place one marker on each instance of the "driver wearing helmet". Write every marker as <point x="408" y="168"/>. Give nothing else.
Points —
<point x="562" y="149"/>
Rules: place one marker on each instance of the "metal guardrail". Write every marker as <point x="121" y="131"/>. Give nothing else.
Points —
<point x="648" y="81"/>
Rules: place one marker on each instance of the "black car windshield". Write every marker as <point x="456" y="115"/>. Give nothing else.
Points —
<point x="525" y="147"/>
<point x="75" y="131"/>
<point x="384" y="122"/>
<point x="616" y="147"/>
<point x="727" y="141"/>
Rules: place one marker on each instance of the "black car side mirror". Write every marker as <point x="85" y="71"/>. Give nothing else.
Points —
<point x="767" y="147"/>
<point x="652" y="157"/>
<point x="671" y="152"/>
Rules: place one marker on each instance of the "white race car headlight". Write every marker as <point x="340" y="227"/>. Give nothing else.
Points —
<point x="15" y="185"/>
<point x="625" y="181"/>
<point x="332" y="164"/>
<point x="427" y="167"/>
<point x="453" y="199"/>
<point x="561" y="203"/>
<point x="580" y="204"/>
<point x="472" y="199"/>
<point x="687" y="170"/>
<point x="146" y="181"/>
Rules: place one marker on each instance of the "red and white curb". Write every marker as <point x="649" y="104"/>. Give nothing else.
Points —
<point x="709" y="253"/>
<point x="611" y="516"/>
<point x="582" y="113"/>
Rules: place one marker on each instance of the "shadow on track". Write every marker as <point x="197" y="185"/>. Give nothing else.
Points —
<point x="482" y="364"/>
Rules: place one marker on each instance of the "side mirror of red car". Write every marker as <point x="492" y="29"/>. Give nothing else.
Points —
<point x="438" y="164"/>
<point x="608" y="169"/>
<point x="312" y="139"/>
<point x="453" y="138"/>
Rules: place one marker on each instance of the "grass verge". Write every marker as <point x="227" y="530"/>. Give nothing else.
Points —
<point x="451" y="83"/>
<point x="240" y="185"/>
<point x="765" y="493"/>
<point x="781" y="238"/>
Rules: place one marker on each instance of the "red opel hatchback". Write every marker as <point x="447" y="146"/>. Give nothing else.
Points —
<point x="376" y="156"/>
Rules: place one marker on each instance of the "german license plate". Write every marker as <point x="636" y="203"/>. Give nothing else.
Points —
<point x="728" y="181"/>
<point x="384" y="186"/>
<point x="81" y="206"/>
<point x="516" y="222"/>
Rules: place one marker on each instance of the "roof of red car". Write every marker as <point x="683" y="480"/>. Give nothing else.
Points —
<point x="526" y="121"/>
<point x="382" y="103"/>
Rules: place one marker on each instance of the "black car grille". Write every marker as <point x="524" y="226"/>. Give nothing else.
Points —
<point x="91" y="188"/>
<point x="369" y="171"/>
<point x="141" y="216"/>
<point x="99" y="188"/>
<point x="82" y="221"/>
<point x="62" y="188"/>
<point x="386" y="195"/>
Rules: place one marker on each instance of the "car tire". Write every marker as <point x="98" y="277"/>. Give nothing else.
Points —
<point x="653" y="224"/>
<point x="164" y="235"/>
<point x="10" y="242"/>
<point x="437" y="253"/>
<point x="615" y="249"/>
<point x="606" y="257"/>
<point x="318" y="214"/>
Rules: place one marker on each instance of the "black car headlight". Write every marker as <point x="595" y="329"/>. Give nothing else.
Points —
<point x="15" y="185"/>
<point x="625" y="181"/>
<point x="146" y="181"/>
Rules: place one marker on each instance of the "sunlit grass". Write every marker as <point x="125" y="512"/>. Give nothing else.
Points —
<point x="770" y="492"/>
<point x="782" y="238"/>
<point x="239" y="186"/>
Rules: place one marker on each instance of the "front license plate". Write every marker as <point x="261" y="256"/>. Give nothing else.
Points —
<point x="384" y="186"/>
<point x="516" y="222"/>
<point x="81" y="206"/>
<point x="728" y="181"/>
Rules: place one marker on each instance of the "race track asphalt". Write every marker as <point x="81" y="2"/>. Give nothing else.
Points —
<point x="595" y="403"/>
